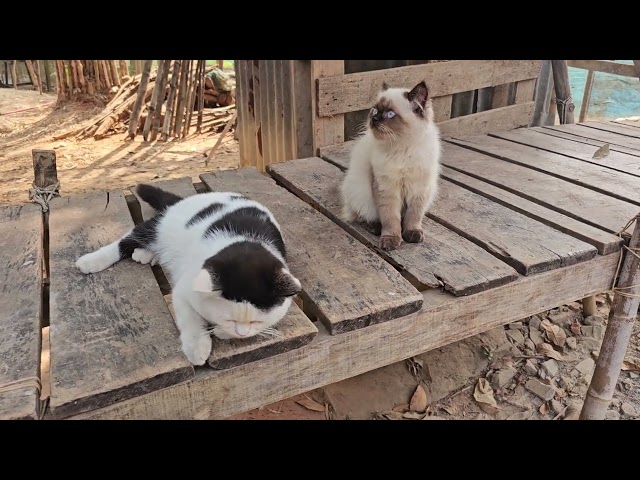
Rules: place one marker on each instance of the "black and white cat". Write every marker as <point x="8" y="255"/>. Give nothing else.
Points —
<point x="225" y="257"/>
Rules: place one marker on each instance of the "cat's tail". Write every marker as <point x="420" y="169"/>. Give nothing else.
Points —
<point x="156" y="197"/>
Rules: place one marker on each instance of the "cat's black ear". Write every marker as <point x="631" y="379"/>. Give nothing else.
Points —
<point x="286" y="285"/>
<point x="385" y="86"/>
<point x="205" y="282"/>
<point x="419" y="94"/>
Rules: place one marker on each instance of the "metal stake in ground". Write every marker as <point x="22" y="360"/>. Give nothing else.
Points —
<point x="616" y="338"/>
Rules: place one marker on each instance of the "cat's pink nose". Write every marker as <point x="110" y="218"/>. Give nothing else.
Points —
<point x="243" y="329"/>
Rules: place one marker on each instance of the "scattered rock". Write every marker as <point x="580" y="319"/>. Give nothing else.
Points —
<point x="529" y="344"/>
<point x="585" y="366"/>
<point x="550" y="367"/>
<point x="572" y="343"/>
<point x="516" y="326"/>
<point x="596" y="332"/>
<point x="590" y="343"/>
<point x="594" y="320"/>
<point x="612" y="415"/>
<point x="556" y="406"/>
<point x="536" y="337"/>
<point x="543" y="374"/>
<point x="634" y="375"/>
<point x="535" y="323"/>
<point x="516" y="336"/>
<point x="539" y="389"/>
<point x="616" y="402"/>
<point x="562" y="318"/>
<point x="575" y="307"/>
<point x="630" y="410"/>
<point x="502" y="377"/>
<point x="530" y="367"/>
<point x="526" y="415"/>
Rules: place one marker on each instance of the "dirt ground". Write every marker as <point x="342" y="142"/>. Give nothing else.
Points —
<point x="496" y="375"/>
<point x="88" y="164"/>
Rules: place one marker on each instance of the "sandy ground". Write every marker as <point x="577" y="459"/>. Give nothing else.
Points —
<point x="88" y="164"/>
<point x="496" y="375"/>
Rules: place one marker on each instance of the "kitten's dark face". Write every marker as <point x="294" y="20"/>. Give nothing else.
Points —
<point x="250" y="289"/>
<point x="397" y="110"/>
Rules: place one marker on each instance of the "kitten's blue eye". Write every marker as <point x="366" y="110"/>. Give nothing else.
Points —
<point x="390" y="114"/>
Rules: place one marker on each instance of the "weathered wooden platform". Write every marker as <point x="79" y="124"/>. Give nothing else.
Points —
<point x="526" y="220"/>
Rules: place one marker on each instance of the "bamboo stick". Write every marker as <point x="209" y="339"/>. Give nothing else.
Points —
<point x="154" y="96"/>
<point x="222" y="135"/>
<point x="200" y="96"/>
<point x="106" y="75"/>
<point x="619" y="329"/>
<point x="124" y="71"/>
<point x="32" y="73"/>
<point x="137" y="107"/>
<point x="170" y="101"/>
<point x="113" y="68"/>
<point x="161" y="81"/>
<point x="190" y="100"/>
<point x="14" y="73"/>
<point x="586" y="97"/>
<point x="181" y="98"/>
<point x="47" y="74"/>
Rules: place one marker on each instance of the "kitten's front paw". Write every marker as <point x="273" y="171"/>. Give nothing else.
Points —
<point x="144" y="256"/>
<point x="389" y="242"/>
<point x="413" y="236"/>
<point x="197" y="347"/>
<point x="92" y="263"/>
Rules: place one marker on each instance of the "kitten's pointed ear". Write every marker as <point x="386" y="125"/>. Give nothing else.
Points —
<point x="385" y="86"/>
<point x="204" y="282"/>
<point x="419" y="94"/>
<point x="286" y="284"/>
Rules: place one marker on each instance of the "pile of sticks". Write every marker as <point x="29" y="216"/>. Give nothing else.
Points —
<point x="90" y="77"/>
<point x="158" y="105"/>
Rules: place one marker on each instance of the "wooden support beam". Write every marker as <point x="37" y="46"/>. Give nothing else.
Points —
<point x="586" y="97"/>
<point x="563" y="91"/>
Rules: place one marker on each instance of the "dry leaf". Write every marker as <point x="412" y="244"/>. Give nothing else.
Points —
<point x="575" y="327"/>
<point x="450" y="409"/>
<point x="602" y="152"/>
<point x="547" y="350"/>
<point x="631" y="365"/>
<point x="419" y="400"/>
<point x="555" y="333"/>
<point x="483" y="393"/>
<point x="310" y="404"/>
<point x="414" y="415"/>
<point x="391" y="415"/>
<point x="543" y="409"/>
<point x="526" y="415"/>
<point x="572" y="412"/>
<point x="401" y="408"/>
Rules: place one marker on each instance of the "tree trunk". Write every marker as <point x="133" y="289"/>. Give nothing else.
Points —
<point x="113" y="68"/>
<point x="47" y="75"/>
<point x="106" y="74"/>
<point x="32" y="73"/>
<point x="124" y="70"/>
<point x="170" y="101"/>
<point x="137" y="107"/>
<point x="14" y="73"/>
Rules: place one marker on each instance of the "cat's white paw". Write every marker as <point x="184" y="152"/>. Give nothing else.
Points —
<point x="93" y="262"/>
<point x="144" y="256"/>
<point x="197" y="348"/>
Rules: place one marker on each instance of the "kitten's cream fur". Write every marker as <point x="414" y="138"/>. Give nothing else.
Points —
<point x="394" y="168"/>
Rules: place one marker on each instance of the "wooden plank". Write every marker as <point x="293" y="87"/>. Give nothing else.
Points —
<point x="295" y="328"/>
<point x="343" y="295"/>
<point x="588" y="141"/>
<point x="442" y="108"/>
<point x="525" y="244"/>
<point x="256" y="90"/>
<point x="604" y="242"/>
<point x="577" y="202"/>
<point x="630" y="122"/>
<point x="595" y="134"/>
<point x="525" y="90"/>
<point x="339" y="155"/>
<point x="20" y="311"/>
<point x="444" y="319"/>
<point x="357" y="91"/>
<point x="112" y="336"/>
<point x="445" y="259"/>
<point x="601" y="179"/>
<point x="618" y="161"/>
<point x="304" y="94"/>
<point x="264" y="133"/>
<point x="288" y="127"/>
<point x="326" y="131"/>
<point x="504" y="118"/>
<point x="614" y="128"/>
<point x="606" y="66"/>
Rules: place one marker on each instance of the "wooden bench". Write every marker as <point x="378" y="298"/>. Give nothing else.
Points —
<point x="526" y="221"/>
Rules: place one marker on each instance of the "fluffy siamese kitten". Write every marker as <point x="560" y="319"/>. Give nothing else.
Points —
<point x="225" y="257"/>
<point x="393" y="173"/>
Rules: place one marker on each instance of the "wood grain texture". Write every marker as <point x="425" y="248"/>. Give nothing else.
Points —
<point x="621" y="162"/>
<point x="525" y="244"/>
<point x="600" y="135"/>
<point x="112" y="336"/>
<point x="504" y="118"/>
<point x="444" y="319"/>
<point x="580" y="203"/>
<point x="626" y="130"/>
<point x="327" y="130"/>
<point x="604" y="242"/>
<point x="20" y="309"/>
<point x="357" y="91"/>
<point x="344" y="295"/>
<point x="601" y="179"/>
<point x="606" y="66"/>
<point x="588" y="141"/>
<point x="525" y="90"/>
<point x="295" y="329"/>
<point x="442" y="108"/>
<point x="628" y="122"/>
<point x="445" y="259"/>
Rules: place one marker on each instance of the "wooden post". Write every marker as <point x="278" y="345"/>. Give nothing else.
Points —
<point x="619" y="329"/>
<point x="589" y="307"/>
<point x="137" y="106"/>
<point x="14" y="73"/>
<point x="221" y="64"/>
<point x="326" y="130"/>
<point x="173" y="86"/>
<point x="563" y="91"/>
<point x="154" y="97"/>
<point x="586" y="97"/>
<point x="544" y="91"/>
<point x="39" y="76"/>
<point x="45" y="169"/>
<point x="636" y="63"/>
<point x="47" y="75"/>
